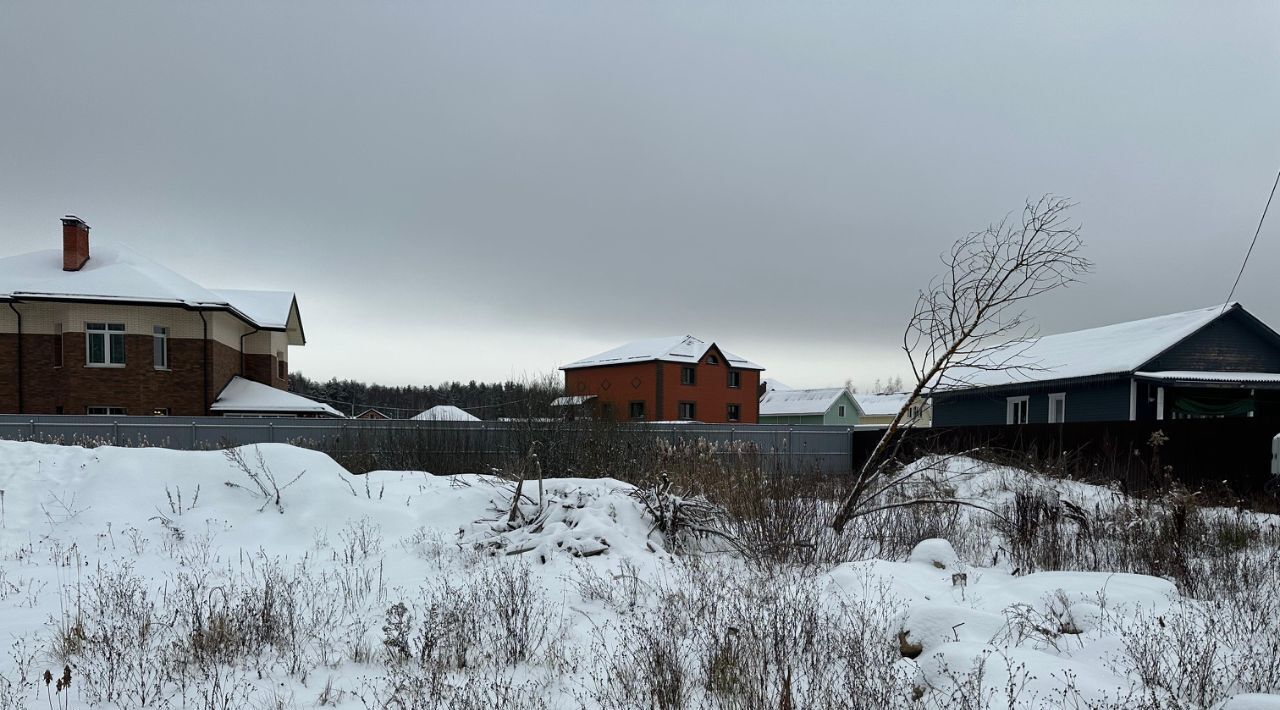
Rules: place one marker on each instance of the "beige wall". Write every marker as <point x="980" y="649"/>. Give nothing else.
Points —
<point x="266" y="342"/>
<point x="44" y="318"/>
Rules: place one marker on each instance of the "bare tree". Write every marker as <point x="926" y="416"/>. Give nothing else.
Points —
<point x="893" y="385"/>
<point x="971" y="320"/>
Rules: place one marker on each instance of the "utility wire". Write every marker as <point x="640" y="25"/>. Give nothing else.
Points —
<point x="1256" y="232"/>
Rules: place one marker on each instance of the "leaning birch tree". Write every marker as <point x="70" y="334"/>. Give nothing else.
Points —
<point x="971" y="320"/>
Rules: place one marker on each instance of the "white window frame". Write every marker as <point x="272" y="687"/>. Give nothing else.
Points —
<point x="105" y="331"/>
<point x="1054" y="398"/>
<point x="1012" y="404"/>
<point x="840" y="411"/>
<point x="734" y="379"/>
<point x="693" y="411"/>
<point x="160" y="339"/>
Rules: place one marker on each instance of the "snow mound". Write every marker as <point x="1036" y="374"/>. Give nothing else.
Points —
<point x="936" y="552"/>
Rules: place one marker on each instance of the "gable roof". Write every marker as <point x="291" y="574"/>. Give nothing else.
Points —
<point x="118" y="274"/>
<point x="882" y="405"/>
<point x="246" y="396"/>
<point x="446" y="413"/>
<point x="1116" y="349"/>
<point x="814" y="401"/>
<point x="680" y="348"/>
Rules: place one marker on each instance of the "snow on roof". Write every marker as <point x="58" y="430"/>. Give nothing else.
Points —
<point x="1110" y="349"/>
<point x="268" y="309"/>
<point x="881" y="405"/>
<point x="772" y="384"/>
<point x="112" y="272"/>
<point x="115" y="272"/>
<point x="815" y="401"/>
<point x="1204" y="376"/>
<point x="680" y="348"/>
<point x="572" y="400"/>
<point x="446" y="413"/>
<point x="241" y="395"/>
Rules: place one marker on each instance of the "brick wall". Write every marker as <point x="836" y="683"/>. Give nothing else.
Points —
<point x="658" y="385"/>
<point x="137" y="386"/>
<point x="264" y="369"/>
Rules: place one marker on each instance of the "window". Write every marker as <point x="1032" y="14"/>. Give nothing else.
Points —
<point x="282" y="367"/>
<point x="840" y="411"/>
<point x="160" y="412"/>
<point x="686" y="376"/>
<point x="1016" y="410"/>
<point x="606" y="411"/>
<point x="735" y="413"/>
<point x="57" y="345"/>
<point x="160" y="347"/>
<point x="105" y="344"/>
<point x="713" y="360"/>
<point x="687" y="410"/>
<point x="1058" y="408"/>
<point x="735" y="378"/>
<point x="105" y="411"/>
<point x="636" y="410"/>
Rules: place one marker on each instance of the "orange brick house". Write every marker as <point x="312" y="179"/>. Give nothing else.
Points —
<point x="109" y="331"/>
<point x="666" y="379"/>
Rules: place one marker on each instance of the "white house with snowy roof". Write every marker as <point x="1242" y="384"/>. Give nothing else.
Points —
<point x="106" y="330"/>
<point x="1214" y="362"/>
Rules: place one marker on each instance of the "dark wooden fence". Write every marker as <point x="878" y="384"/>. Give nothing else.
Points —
<point x="1200" y="453"/>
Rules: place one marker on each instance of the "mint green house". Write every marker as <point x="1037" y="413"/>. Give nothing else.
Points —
<point x="831" y="405"/>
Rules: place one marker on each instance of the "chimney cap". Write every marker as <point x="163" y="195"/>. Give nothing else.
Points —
<point x="72" y="219"/>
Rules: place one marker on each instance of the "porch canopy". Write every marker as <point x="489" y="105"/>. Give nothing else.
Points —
<point x="1198" y="394"/>
<point x="1200" y="378"/>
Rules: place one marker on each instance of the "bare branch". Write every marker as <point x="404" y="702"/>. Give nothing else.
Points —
<point x="970" y="321"/>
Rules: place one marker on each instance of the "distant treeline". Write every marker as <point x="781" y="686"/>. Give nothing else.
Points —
<point x="487" y="400"/>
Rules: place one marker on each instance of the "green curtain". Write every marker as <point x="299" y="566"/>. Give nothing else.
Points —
<point x="1210" y="408"/>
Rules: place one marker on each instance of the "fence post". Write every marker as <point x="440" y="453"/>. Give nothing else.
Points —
<point x="194" y="435"/>
<point x="115" y="431"/>
<point x="789" y="458"/>
<point x="271" y="432"/>
<point x="33" y="430"/>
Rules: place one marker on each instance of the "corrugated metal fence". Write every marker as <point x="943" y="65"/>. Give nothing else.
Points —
<point x="824" y="449"/>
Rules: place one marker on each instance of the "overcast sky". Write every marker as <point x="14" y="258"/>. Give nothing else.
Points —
<point x="475" y="190"/>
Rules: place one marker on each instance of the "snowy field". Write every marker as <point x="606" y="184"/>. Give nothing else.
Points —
<point x="273" y="578"/>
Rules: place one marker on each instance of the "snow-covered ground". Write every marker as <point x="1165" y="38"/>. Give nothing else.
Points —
<point x="274" y="578"/>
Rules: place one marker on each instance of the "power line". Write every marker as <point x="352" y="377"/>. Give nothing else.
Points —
<point x="1256" y="232"/>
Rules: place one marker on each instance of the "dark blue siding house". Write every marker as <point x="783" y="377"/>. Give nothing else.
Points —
<point x="1212" y="362"/>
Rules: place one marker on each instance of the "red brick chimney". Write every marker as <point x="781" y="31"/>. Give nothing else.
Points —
<point x="75" y="243"/>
